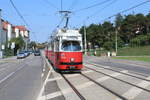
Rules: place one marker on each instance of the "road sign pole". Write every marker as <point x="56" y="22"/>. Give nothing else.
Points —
<point x="1" y="52"/>
<point x="85" y="44"/>
<point x="0" y="31"/>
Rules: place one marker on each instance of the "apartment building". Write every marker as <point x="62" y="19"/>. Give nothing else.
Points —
<point x="9" y="31"/>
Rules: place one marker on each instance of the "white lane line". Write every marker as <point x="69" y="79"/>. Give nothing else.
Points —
<point x="134" y="91"/>
<point x="81" y="86"/>
<point x="52" y="95"/>
<point x="9" y="75"/>
<point x="69" y="76"/>
<point x="40" y="97"/>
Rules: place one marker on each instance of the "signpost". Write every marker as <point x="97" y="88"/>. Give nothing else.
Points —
<point x="1" y="53"/>
<point x="12" y="47"/>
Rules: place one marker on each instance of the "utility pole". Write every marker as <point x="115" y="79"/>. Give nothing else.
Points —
<point x="1" y="53"/>
<point x="0" y="31"/>
<point x="116" y="42"/>
<point x="85" y="44"/>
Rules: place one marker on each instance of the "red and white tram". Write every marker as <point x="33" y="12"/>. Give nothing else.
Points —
<point x="65" y="50"/>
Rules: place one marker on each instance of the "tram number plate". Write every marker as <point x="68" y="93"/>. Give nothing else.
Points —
<point x="72" y="67"/>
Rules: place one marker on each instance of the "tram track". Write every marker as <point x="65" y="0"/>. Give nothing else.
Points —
<point x="137" y="73"/>
<point x="120" y="97"/>
<point x="147" y="90"/>
<point x="74" y="88"/>
<point x="104" y="87"/>
<point x="121" y="72"/>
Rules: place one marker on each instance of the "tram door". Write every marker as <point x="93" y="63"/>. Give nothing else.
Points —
<point x="56" y="57"/>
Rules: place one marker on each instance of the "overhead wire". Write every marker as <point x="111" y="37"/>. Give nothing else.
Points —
<point x="22" y="17"/>
<point x="61" y="5"/>
<point x="106" y="6"/>
<point x="92" y="6"/>
<point x="51" y="4"/>
<point x="73" y="4"/>
<point x="128" y="9"/>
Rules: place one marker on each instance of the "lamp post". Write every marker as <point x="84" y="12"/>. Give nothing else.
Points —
<point x="1" y="53"/>
<point x="116" y="41"/>
<point x="0" y="31"/>
<point x="85" y="45"/>
<point x="117" y="29"/>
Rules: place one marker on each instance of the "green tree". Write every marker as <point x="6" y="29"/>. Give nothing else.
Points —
<point x="32" y="45"/>
<point x="119" y="20"/>
<point x="19" y="43"/>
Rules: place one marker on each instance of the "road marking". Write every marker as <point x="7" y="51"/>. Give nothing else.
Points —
<point x="81" y="86"/>
<point x="9" y="75"/>
<point x="134" y="91"/>
<point x="52" y="95"/>
<point x="43" y="87"/>
<point x="69" y="76"/>
<point x="5" y="78"/>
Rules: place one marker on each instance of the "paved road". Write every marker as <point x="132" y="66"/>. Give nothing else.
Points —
<point x="136" y="66"/>
<point x="120" y="84"/>
<point x="20" y="79"/>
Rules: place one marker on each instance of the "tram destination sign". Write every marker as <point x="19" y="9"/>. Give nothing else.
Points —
<point x="71" y="38"/>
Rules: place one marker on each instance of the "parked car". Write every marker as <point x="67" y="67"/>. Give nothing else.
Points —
<point x="37" y="53"/>
<point x="26" y="53"/>
<point x="30" y="51"/>
<point x="21" y="55"/>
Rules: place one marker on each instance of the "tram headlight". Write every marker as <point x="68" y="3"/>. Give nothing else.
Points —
<point x="72" y="59"/>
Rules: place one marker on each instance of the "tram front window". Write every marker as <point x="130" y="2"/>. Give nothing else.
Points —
<point x="71" y="46"/>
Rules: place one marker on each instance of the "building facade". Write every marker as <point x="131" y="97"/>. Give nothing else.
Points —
<point x="9" y="31"/>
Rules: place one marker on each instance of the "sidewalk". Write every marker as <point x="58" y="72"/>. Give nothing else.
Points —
<point x="7" y="59"/>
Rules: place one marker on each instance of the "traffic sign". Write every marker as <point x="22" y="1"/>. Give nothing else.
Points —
<point x="13" y="45"/>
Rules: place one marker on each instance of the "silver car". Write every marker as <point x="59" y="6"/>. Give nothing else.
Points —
<point x="21" y="55"/>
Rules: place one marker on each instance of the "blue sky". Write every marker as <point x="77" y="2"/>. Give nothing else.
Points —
<point x="42" y="15"/>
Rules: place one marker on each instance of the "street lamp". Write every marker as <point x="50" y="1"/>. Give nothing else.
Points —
<point x="1" y="53"/>
<point x="0" y="31"/>
<point x="117" y="29"/>
<point x="85" y="45"/>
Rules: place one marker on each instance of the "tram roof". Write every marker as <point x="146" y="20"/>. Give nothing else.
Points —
<point x="67" y="32"/>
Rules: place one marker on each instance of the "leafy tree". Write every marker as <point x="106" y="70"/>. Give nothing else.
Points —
<point x="32" y="45"/>
<point x="148" y="23"/>
<point x="134" y="29"/>
<point x="119" y="20"/>
<point x="19" y="43"/>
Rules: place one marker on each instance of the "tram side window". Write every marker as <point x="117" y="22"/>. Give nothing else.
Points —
<point x="71" y="46"/>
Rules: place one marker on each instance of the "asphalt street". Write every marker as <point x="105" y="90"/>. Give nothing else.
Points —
<point x="134" y="66"/>
<point x="128" y="80"/>
<point x="20" y="79"/>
